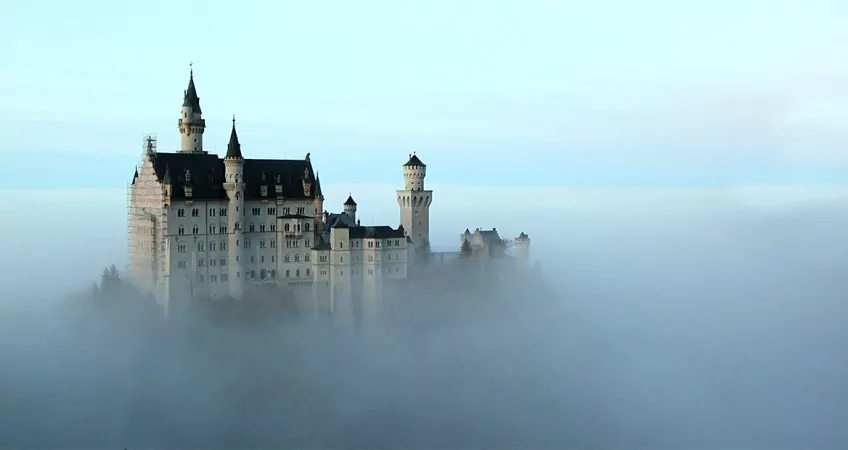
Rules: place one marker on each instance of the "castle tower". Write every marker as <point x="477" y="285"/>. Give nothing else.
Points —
<point x="191" y="124"/>
<point x="350" y="207"/>
<point x="414" y="204"/>
<point x="522" y="247"/>
<point x="234" y="185"/>
<point x="318" y="205"/>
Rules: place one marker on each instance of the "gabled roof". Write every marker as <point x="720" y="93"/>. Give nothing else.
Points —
<point x="378" y="232"/>
<point x="414" y="162"/>
<point x="207" y="175"/>
<point x="349" y="201"/>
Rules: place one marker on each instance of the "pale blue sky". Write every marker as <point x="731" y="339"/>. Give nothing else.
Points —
<point x="529" y="92"/>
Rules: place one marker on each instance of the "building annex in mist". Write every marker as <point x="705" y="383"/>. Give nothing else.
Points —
<point x="201" y="226"/>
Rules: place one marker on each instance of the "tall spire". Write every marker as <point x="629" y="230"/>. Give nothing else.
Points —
<point x="191" y="99"/>
<point x="234" y="147"/>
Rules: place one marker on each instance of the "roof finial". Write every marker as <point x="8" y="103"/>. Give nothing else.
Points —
<point x="191" y="69"/>
<point x="234" y="120"/>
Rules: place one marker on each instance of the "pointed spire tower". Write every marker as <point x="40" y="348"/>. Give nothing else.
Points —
<point x="234" y="185"/>
<point x="191" y="124"/>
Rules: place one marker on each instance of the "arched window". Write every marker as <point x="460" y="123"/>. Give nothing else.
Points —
<point x="286" y="228"/>
<point x="306" y="226"/>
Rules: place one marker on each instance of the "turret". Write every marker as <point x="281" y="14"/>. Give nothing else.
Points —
<point x="191" y="124"/>
<point x="318" y="206"/>
<point x="414" y="172"/>
<point x="234" y="185"/>
<point x="522" y="247"/>
<point x="350" y="207"/>
<point x="414" y="203"/>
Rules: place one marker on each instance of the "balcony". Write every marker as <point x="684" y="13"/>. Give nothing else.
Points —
<point x="293" y="234"/>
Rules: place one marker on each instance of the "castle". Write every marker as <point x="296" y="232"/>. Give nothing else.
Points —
<point x="200" y="226"/>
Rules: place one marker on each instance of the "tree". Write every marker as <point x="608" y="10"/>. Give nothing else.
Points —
<point x="465" y="249"/>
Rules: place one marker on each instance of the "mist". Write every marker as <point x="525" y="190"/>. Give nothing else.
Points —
<point x="660" y="319"/>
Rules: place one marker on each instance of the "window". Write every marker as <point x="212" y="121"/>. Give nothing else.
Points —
<point x="341" y="259"/>
<point x="200" y="262"/>
<point x="180" y="212"/>
<point x="377" y="244"/>
<point x="323" y="272"/>
<point x="195" y="212"/>
<point x="211" y="229"/>
<point x="306" y="243"/>
<point x="287" y="273"/>
<point x="223" y="261"/>
<point x="262" y="274"/>
<point x="370" y="244"/>
<point x="273" y="258"/>
<point x="225" y="277"/>
<point x="397" y="243"/>
<point x="256" y="211"/>
<point x="273" y="227"/>
<point x="213" y="278"/>
<point x="286" y="258"/>
<point x="273" y="243"/>
<point x="322" y="258"/>
<point x="222" y="229"/>
<point x="262" y="259"/>
<point x="222" y="211"/>
<point x="211" y="212"/>
<point x="306" y="257"/>
<point x="341" y="244"/>
<point x="223" y="246"/>
<point x="238" y="226"/>
<point x="389" y="243"/>
<point x="181" y="264"/>
<point x="273" y="273"/>
<point x="297" y="273"/>
<point x="253" y="259"/>
<point x="181" y="248"/>
<point x="200" y="246"/>
<point x="272" y="211"/>
<point x="247" y="243"/>
<point x="300" y="210"/>
<point x="195" y="230"/>
<point x="296" y="257"/>
<point x="181" y="230"/>
<point x="252" y="228"/>
<point x="253" y="274"/>
<point x="285" y="211"/>
<point x="212" y="262"/>
<point x="261" y="228"/>
<point x="306" y="226"/>
<point x="307" y="272"/>
<point x="370" y="258"/>
<point x="286" y="228"/>
<point x="262" y="243"/>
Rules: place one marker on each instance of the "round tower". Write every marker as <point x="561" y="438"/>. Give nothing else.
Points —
<point x="350" y="207"/>
<point x="234" y="185"/>
<point x="414" y="172"/>
<point x="522" y="247"/>
<point x="191" y="124"/>
<point x="414" y="203"/>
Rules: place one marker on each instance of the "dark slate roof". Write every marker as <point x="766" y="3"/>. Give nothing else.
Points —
<point x="294" y="216"/>
<point x="490" y="235"/>
<point x="318" y="192"/>
<point x="289" y="172"/>
<point x="321" y="245"/>
<point x="523" y="236"/>
<point x="349" y="201"/>
<point x="414" y="161"/>
<point x="378" y="232"/>
<point x="191" y="99"/>
<point x="135" y="175"/>
<point x="467" y="232"/>
<point x="343" y="218"/>
<point x="207" y="175"/>
<point x="234" y="147"/>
